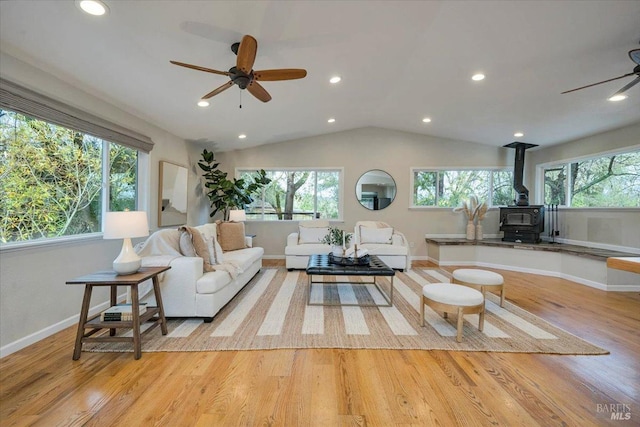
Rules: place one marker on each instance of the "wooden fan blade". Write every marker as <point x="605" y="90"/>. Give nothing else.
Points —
<point x="246" y="54"/>
<point x="599" y="83"/>
<point x="258" y="91"/>
<point x="222" y="88"/>
<point x="281" y="74"/>
<point x="628" y="86"/>
<point x="197" y="67"/>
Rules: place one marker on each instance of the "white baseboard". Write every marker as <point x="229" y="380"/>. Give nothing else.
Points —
<point x="33" y="338"/>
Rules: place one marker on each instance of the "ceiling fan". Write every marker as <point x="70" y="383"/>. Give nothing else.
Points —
<point x="243" y="74"/>
<point x="635" y="57"/>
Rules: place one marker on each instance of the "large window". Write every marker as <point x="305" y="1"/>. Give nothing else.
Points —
<point x="606" y="181"/>
<point x="56" y="181"/>
<point x="449" y="188"/>
<point x="297" y="194"/>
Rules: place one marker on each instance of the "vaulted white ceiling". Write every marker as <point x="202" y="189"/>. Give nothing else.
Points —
<point x="399" y="62"/>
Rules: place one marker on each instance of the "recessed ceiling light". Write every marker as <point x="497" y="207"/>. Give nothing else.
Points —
<point x="203" y="103"/>
<point x="616" y="98"/>
<point x="426" y="120"/>
<point x="242" y="136"/>
<point x="335" y="79"/>
<point x="477" y="77"/>
<point x="93" y="7"/>
<point x="331" y="120"/>
<point x="518" y="134"/>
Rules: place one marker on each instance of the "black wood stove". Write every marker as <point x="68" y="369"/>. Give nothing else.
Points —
<point x="521" y="222"/>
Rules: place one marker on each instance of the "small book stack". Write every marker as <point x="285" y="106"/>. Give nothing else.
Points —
<point x="121" y="313"/>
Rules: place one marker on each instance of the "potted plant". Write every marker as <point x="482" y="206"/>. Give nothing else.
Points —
<point x="225" y="194"/>
<point x="338" y="239"/>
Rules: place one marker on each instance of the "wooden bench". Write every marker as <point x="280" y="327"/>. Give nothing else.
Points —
<point x="631" y="264"/>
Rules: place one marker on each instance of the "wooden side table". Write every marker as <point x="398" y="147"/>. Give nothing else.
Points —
<point x="111" y="279"/>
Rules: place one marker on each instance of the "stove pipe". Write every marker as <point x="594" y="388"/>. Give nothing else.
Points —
<point x="518" y="170"/>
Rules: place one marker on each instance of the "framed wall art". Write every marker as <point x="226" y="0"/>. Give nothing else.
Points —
<point x="172" y="195"/>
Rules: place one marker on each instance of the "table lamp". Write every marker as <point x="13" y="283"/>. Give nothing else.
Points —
<point x="237" y="215"/>
<point x="126" y="225"/>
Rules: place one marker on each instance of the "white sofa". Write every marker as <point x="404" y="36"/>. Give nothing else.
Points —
<point x="186" y="290"/>
<point x="380" y="239"/>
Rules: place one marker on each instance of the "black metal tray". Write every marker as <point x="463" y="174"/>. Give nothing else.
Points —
<point x="348" y="261"/>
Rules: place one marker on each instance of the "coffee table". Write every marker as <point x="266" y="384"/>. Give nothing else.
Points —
<point x="320" y="265"/>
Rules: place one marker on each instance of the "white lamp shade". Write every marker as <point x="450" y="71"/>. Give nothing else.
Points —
<point x="237" y="215"/>
<point x="128" y="224"/>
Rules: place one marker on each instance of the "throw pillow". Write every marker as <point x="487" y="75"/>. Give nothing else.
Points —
<point x="218" y="249"/>
<point x="375" y="235"/>
<point x="186" y="245"/>
<point x="311" y="234"/>
<point x="200" y="247"/>
<point x="211" y="248"/>
<point x="231" y="235"/>
<point x="313" y="223"/>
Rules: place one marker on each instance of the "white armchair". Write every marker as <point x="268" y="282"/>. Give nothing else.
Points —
<point x="306" y="242"/>
<point x="387" y="243"/>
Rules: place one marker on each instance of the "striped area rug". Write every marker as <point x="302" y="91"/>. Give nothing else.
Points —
<point x="271" y="312"/>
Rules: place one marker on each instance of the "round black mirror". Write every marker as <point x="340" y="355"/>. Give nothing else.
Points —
<point x="376" y="189"/>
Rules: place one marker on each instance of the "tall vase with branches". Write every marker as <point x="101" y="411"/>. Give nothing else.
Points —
<point x="223" y="193"/>
<point x="473" y="209"/>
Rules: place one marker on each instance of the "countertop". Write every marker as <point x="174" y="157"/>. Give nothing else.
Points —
<point x="577" y="250"/>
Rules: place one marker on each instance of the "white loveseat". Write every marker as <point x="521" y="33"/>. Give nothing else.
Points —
<point x="306" y="242"/>
<point x="380" y="239"/>
<point x="186" y="290"/>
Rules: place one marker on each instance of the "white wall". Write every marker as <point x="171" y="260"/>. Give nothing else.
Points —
<point x="396" y="152"/>
<point x="358" y="151"/>
<point x="608" y="228"/>
<point x="34" y="300"/>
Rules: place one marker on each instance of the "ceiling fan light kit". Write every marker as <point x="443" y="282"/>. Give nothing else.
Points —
<point x="243" y="75"/>
<point x="634" y="55"/>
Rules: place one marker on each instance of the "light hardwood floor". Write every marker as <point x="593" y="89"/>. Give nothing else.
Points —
<point x="42" y="386"/>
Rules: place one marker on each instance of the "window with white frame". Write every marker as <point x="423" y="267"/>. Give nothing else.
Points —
<point x="449" y="188"/>
<point x="56" y="181"/>
<point x="297" y="194"/>
<point x="611" y="180"/>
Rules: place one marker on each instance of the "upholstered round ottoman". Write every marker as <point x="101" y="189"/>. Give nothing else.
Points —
<point x="450" y="298"/>
<point x="481" y="280"/>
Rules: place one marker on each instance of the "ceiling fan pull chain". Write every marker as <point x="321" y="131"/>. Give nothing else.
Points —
<point x="240" y="99"/>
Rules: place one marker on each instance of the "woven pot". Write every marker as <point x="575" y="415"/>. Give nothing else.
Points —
<point x="471" y="231"/>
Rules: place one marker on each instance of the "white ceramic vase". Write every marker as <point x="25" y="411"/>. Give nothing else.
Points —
<point x="479" y="233"/>
<point x="471" y="231"/>
<point x="337" y="251"/>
